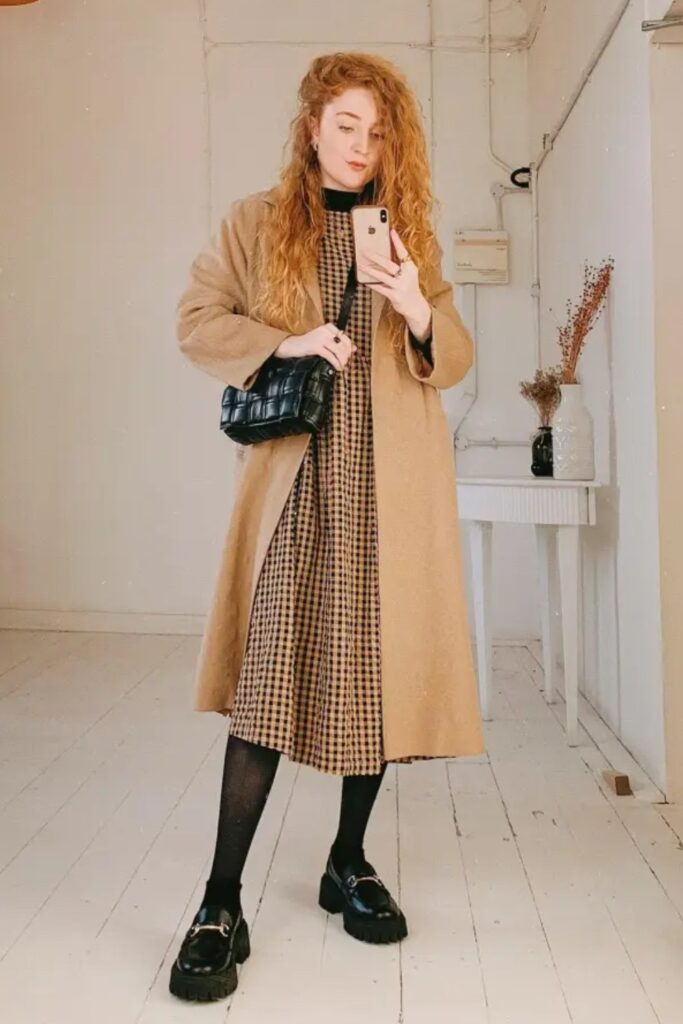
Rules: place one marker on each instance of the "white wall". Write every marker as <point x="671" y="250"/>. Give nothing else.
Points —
<point x="102" y="196"/>
<point x="595" y="201"/>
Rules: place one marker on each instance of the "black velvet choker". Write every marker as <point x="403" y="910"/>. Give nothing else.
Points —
<point x="339" y="199"/>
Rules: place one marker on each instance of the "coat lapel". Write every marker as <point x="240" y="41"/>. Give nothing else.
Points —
<point x="312" y="285"/>
<point x="378" y="303"/>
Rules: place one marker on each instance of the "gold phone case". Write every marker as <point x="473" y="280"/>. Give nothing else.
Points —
<point x="370" y="233"/>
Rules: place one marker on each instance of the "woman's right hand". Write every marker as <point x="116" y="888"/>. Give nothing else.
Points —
<point x="319" y="342"/>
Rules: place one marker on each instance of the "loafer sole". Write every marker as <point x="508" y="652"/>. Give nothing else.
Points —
<point x="387" y="929"/>
<point x="205" y="988"/>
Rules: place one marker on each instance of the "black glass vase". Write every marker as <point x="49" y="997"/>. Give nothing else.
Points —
<point x="542" y="452"/>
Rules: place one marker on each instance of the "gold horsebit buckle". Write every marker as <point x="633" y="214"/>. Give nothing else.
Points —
<point x="223" y="928"/>
<point x="353" y="880"/>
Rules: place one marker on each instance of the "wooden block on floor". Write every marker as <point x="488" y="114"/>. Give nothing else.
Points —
<point x="619" y="782"/>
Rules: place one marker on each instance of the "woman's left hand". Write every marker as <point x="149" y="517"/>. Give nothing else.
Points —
<point x="402" y="289"/>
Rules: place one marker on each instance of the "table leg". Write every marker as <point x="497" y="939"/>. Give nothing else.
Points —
<point x="480" y="551"/>
<point x="545" y="539"/>
<point x="568" y="556"/>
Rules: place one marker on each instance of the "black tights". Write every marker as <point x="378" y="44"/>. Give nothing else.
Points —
<point x="357" y="800"/>
<point x="248" y="774"/>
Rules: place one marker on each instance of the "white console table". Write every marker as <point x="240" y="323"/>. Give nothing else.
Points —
<point x="556" y="508"/>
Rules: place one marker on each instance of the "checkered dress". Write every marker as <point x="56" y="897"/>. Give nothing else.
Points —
<point x="310" y="679"/>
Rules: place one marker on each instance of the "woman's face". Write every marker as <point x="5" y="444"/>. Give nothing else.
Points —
<point x="349" y="140"/>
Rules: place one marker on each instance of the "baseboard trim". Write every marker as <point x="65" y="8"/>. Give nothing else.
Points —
<point x="136" y="622"/>
<point x="101" y="622"/>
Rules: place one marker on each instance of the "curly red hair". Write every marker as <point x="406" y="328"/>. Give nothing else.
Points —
<point x="291" y="235"/>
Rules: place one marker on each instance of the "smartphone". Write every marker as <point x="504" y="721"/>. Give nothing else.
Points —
<point x="370" y="233"/>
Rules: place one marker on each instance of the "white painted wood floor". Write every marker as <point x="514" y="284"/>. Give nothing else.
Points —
<point x="533" y="895"/>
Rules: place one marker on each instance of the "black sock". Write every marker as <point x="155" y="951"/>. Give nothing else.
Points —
<point x="248" y="775"/>
<point x="358" y="797"/>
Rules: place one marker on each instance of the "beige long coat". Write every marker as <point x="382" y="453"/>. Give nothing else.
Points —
<point x="429" y="695"/>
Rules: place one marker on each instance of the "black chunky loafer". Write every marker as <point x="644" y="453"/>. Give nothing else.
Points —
<point x="370" y="911"/>
<point x="205" y="968"/>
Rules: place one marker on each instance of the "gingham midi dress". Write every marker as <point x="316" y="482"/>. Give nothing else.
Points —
<point x="310" y="679"/>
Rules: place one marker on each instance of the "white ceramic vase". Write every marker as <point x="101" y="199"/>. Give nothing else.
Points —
<point x="573" y="447"/>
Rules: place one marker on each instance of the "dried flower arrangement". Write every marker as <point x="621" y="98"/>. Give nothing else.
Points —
<point x="543" y="392"/>
<point x="579" y="322"/>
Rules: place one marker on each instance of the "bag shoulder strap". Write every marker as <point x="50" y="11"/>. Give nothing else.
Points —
<point x="347" y="300"/>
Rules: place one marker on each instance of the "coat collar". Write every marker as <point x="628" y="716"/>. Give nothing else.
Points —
<point x="312" y="284"/>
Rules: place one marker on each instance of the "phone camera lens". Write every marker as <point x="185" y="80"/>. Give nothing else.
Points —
<point x="383" y="216"/>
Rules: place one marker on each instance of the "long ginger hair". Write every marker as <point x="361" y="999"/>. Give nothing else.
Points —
<point x="288" y="244"/>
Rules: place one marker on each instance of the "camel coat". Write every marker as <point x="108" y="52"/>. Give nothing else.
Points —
<point x="429" y="694"/>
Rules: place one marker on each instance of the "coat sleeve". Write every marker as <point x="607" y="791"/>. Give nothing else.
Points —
<point x="213" y="326"/>
<point x="452" y="348"/>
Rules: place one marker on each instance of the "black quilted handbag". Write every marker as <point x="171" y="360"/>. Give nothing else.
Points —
<point x="289" y="396"/>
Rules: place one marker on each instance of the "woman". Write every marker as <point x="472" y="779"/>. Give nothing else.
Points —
<point x="338" y="631"/>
